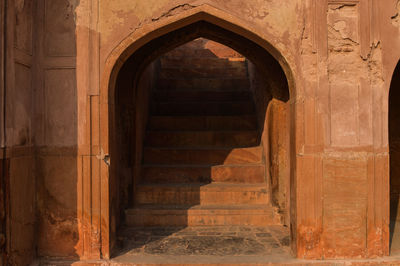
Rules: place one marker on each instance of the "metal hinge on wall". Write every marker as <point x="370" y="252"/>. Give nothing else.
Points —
<point x="104" y="157"/>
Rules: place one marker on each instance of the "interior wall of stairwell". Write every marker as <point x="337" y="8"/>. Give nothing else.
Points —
<point x="271" y="109"/>
<point x="273" y="120"/>
<point x="132" y="120"/>
<point x="190" y="52"/>
<point x="394" y="147"/>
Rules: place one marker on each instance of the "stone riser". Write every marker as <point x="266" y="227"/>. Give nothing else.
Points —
<point x="212" y="72"/>
<point x="203" y="108"/>
<point x="206" y="139"/>
<point x="216" y="84"/>
<point x="203" y="95"/>
<point x="203" y="195"/>
<point x="202" y="156"/>
<point x="251" y="215"/>
<point x="199" y="62"/>
<point x="203" y="53"/>
<point x="200" y="174"/>
<point x="203" y="123"/>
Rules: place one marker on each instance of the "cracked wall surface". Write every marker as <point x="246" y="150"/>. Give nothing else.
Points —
<point x="337" y="107"/>
<point x="339" y="62"/>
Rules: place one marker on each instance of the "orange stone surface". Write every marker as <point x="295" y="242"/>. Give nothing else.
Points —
<point x="281" y="115"/>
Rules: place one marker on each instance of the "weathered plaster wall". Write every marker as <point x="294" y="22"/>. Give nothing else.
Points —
<point x="17" y="142"/>
<point x="340" y="145"/>
<point x="391" y="57"/>
<point x="122" y="16"/>
<point x="131" y="120"/>
<point x="278" y="19"/>
<point x="273" y="118"/>
<point x="394" y="142"/>
<point x="55" y="125"/>
<point x="341" y="56"/>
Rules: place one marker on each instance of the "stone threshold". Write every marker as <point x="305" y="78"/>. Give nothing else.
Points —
<point x="214" y="261"/>
<point x="211" y="245"/>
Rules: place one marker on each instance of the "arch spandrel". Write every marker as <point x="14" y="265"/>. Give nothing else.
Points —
<point x="206" y="13"/>
<point x="157" y="29"/>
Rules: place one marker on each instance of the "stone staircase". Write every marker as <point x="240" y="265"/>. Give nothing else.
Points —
<point x="202" y="161"/>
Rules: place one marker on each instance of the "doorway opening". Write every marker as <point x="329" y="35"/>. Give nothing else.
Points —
<point x="394" y="147"/>
<point x="200" y="143"/>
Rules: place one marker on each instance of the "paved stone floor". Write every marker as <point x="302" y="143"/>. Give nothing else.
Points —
<point x="211" y="246"/>
<point x="208" y="240"/>
<point x="395" y="238"/>
<point x="204" y="243"/>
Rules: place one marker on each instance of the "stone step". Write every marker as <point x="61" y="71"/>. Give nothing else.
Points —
<point x="248" y="173"/>
<point x="218" y="84"/>
<point x="199" y="215"/>
<point x="204" y="139"/>
<point x="203" y="194"/>
<point x="203" y="108"/>
<point x="202" y="156"/>
<point x="201" y="62"/>
<point x="244" y="122"/>
<point x="216" y="52"/>
<point x="206" y="71"/>
<point x="203" y="95"/>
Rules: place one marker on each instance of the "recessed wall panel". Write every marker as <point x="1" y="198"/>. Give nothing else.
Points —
<point x="60" y="101"/>
<point x="60" y="27"/>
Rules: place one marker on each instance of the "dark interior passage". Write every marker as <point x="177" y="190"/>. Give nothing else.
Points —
<point x="202" y="141"/>
<point x="208" y="171"/>
<point x="394" y="145"/>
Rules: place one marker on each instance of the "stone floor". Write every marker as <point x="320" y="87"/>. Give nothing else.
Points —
<point x="213" y="246"/>
<point x="210" y="244"/>
<point x="220" y="241"/>
<point x="395" y="238"/>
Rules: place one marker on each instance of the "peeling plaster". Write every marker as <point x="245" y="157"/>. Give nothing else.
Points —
<point x="342" y="28"/>
<point x="396" y="17"/>
<point x="341" y="6"/>
<point x="19" y="5"/>
<point x="120" y="16"/>
<point x="71" y="8"/>
<point x="169" y="13"/>
<point x="173" y="11"/>
<point x="258" y="11"/>
<point x="375" y="65"/>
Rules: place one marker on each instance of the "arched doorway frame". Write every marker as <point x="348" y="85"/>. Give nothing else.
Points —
<point x="395" y="71"/>
<point x="108" y="79"/>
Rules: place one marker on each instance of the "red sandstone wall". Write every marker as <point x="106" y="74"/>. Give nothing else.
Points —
<point x="55" y="129"/>
<point x="18" y="137"/>
<point x="4" y="176"/>
<point x="394" y="141"/>
<point x="273" y="119"/>
<point x="203" y="47"/>
<point x="337" y="53"/>
<point x="333" y="133"/>
<point x="391" y="57"/>
<point x="339" y="117"/>
<point x="145" y="88"/>
<point x="127" y="160"/>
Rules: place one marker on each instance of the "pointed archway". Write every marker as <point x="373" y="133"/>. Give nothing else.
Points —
<point x="394" y="147"/>
<point x="149" y="42"/>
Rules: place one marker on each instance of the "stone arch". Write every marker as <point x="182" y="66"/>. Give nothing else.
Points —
<point x="149" y="32"/>
<point x="394" y="151"/>
<point x="143" y="42"/>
